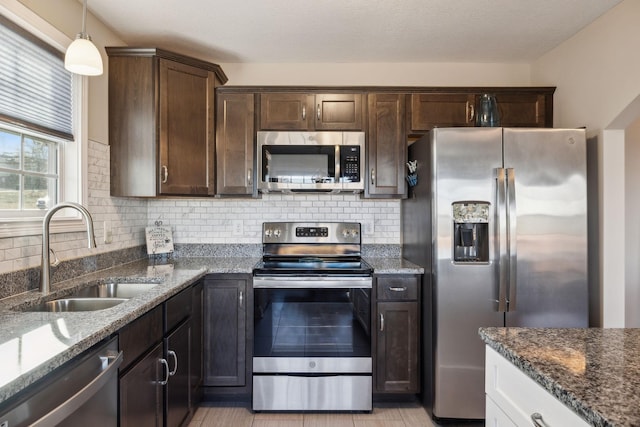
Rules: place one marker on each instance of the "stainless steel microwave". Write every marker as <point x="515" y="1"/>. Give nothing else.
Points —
<point x="311" y="161"/>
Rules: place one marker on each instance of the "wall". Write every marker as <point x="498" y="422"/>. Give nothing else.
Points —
<point x="596" y="73"/>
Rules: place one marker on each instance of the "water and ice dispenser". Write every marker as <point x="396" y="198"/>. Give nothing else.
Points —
<point x="470" y="232"/>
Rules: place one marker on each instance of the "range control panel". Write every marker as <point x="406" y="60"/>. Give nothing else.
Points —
<point x="304" y="232"/>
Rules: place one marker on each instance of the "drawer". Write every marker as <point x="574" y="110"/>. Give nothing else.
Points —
<point x="177" y="308"/>
<point x="519" y="397"/>
<point x="397" y="288"/>
<point x="140" y="335"/>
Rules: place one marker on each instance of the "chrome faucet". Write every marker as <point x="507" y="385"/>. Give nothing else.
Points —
<point x="45" y="273"/>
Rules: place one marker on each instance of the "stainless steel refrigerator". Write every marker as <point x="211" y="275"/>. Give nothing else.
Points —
<point x="498" y="219"/>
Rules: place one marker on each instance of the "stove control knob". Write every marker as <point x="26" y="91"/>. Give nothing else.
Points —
<point x="354" y="233"/>
<point x="267" y="232"/>
<point x="277" y="232"/>
<point x="345" y="233"/>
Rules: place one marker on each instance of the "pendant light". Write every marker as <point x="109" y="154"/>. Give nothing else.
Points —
<point x="82" y="55"/>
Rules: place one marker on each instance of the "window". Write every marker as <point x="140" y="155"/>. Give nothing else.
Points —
<point x="42" y="125"/>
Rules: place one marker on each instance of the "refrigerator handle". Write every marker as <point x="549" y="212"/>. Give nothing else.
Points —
<point x="501" y="238"/>
<point x="513" y="250"/>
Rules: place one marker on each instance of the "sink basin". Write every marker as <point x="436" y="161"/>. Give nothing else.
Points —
<point x="76" y="304"/>
<point x="113" y="290"/>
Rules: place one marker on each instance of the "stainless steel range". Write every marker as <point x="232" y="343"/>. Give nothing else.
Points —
<point x="312" y="322"/>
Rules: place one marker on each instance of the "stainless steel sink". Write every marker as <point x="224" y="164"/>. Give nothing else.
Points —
<point x="113" y="290"/>
<point x="76" y="304"/>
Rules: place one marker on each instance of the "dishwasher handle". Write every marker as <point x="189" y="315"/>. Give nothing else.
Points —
<point x="68" y="407"/>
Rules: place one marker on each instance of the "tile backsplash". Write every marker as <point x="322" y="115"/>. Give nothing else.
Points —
<point x="240" y="220"/>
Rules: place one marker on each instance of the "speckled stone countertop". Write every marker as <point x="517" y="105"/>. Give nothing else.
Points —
<point x="595" y="372"/>
<point x="32" y="344"/>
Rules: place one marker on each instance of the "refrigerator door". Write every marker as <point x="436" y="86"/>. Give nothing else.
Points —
<point x="550" y="242"/>
<point x="464" y="164"/>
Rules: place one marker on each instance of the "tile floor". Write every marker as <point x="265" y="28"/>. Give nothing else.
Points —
<point x="404" y="415"/>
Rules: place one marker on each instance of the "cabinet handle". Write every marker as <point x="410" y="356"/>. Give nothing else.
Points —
<point x="304" y="113"/>
<point x="175" y="362"/>
<point x="240" y="298"/>
<point x="471" y="112"/>
<point x="381" y="322"/>
<point x="397" y="288"/>
<point x="249" y="177"/>
<point x="318" y="112"/>
<point x="166" y="372"/>
<point x="373" y="177"/>
<point x="165" y="174"/>
<point x="537" y="420"/>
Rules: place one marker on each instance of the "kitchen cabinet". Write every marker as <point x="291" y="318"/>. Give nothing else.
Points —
<point x="235" y="142"/>
<point x="227" y="336"/>
<point x="386" y="146"/>
<point x="161" y="123"/>
<point x="311" y="111"/>
<point x="197" y="348"/>
<point x="156" y="386"/>
<point x="513" y="398"/>
<point x="397" y="338"/>
<point x="429" y="110"/>
<point x="449" y="107"/>
<point x="524" y="110"/>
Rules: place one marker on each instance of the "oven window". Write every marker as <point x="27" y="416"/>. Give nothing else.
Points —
<point x="312" y="323"/>
<point x="299" y="164"/>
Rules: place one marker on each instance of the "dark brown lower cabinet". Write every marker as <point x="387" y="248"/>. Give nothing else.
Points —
<point x="158" y="379"/>
<point x="397" y="340"/>
<point x="225" y="325"/>
<point x="177" y="388"/>
<point x="141" y="392"/>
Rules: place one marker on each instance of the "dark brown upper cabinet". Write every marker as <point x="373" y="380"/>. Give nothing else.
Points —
<point x="386" y="146"/>
<point x="429" y="110"/>
<point x="161" y="123"/>
<point x="235" y="142"/>
<point x="455" y="107"/>
<point x="309" y="111"/>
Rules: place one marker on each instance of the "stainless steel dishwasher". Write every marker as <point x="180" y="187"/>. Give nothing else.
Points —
<point x="80" y="393"/>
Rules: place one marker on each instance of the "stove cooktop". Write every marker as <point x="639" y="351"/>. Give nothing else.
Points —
<point x="313" y="266"/>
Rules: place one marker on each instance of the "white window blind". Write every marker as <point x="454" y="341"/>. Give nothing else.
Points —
<point x="35" y="88"/>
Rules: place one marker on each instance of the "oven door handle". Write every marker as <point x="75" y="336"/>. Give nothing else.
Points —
<point x="299" y="282"/>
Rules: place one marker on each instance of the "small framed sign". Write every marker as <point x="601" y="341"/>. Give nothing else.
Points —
<point x="159" y="240"/>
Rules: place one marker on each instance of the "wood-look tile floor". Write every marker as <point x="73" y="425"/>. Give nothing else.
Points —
<point x="406" y="415"/>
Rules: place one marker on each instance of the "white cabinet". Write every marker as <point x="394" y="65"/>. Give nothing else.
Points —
<point x="513" y="398"/>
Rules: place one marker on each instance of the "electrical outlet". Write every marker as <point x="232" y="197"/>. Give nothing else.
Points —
<point x="237" y="227"/>
<point x="369" y="227"/>
<point x="108" y="233"/>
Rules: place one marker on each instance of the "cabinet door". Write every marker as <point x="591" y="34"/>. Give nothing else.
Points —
<point x="141" y="392"/>
<point x="387" y="145"/>
<point x="429" y="110"/>
<point x="196" y="348"/>
<point x="522" y="110"/>
<point x="177" y="389"/>
<point x="235" y="144"/>
<point x="225" y="314"/>
<point x="397" y="347"/>
<point x="186" y="129"/>
<point x="338" y="111"/>
<point x="286" y="111"/>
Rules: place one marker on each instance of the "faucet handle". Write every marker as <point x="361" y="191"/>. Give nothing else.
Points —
<point x="55" y="261"/>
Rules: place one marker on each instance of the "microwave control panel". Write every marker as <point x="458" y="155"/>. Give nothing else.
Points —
<point x="350" y="163"/>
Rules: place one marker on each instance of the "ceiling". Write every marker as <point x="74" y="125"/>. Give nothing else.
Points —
<point x="511" y="31"/>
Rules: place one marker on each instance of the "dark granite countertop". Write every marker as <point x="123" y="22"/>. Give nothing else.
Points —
<point x="32" y="344"/>
<point x="595" y="372"/>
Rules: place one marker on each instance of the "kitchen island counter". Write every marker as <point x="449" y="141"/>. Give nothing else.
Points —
<point x="595" y="372"/>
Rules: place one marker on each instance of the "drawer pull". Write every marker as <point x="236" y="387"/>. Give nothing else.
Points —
<point x="537" y="420"/>
<point x="397" y="288"/>
<point x="304" y="113"/>
<point x="166" y="372"/>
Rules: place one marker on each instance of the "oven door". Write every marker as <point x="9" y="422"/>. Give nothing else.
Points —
<point x="312" y="343"/>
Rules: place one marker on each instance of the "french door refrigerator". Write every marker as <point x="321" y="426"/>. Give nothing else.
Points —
<point x="498" y="219"/>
